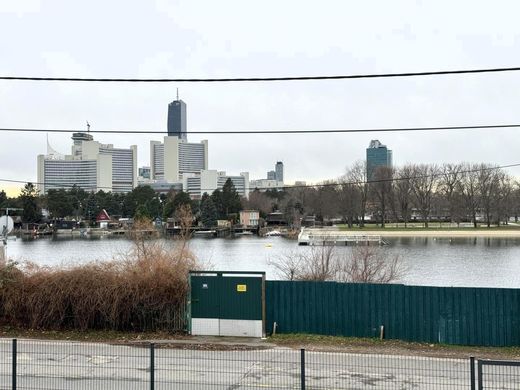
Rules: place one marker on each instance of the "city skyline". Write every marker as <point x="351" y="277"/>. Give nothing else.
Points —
<point x="179" y="41"/>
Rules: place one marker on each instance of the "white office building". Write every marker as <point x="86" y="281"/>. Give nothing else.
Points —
<point x="175" y="158"/>
<point x="210" y="180"/>
<point x="92" y="166"/>
<point x="265" y="184"/>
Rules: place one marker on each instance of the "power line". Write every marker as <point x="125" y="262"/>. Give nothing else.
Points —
<point x="281" y="131"/>
<point x="288" y="187"/>
<point x="264" y="79"/>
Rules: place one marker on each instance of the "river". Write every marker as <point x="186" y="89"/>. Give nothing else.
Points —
<point x="469" y="262"/>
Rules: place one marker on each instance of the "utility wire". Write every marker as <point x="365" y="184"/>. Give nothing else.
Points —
<point x="308" y="131"/>
<point x="263" y="79"/>
<point x="333" y="183"/>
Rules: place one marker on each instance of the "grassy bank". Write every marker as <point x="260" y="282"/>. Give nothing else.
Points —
<point x="432" y="226"/>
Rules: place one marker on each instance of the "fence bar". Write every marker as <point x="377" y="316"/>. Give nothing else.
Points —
<point x="152" y="366"/>
<point x="472" y="372"/>
<point x="302" y="368"/>
<point x="479" y="374"/>
<point x="13" y="386"/>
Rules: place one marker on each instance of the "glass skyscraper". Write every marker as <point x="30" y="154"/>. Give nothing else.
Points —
<point x="177" y="119"/>
<point x="378" y="155"/>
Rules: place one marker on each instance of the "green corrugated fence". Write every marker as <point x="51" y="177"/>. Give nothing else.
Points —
<point x="451" y="315"/>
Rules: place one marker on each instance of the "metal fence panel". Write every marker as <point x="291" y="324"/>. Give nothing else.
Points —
<point x="498" y="374"/>
<point x="362" y="371"/>
<point x="73" y="365"/>
<point x="467" y="316"/>
<point x="64" y="365"/>
<point x="249" y="369"/>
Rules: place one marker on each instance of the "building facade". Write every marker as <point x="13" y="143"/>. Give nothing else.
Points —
<point x="210" y="180"/>
<point x="173" y="159"/>
<point x="249" y="218"/>
<point x="92" y="166"/>
<point x="378" y="156"/>
<point x="144" y="172"/>
<point x="177" y="120"/>
<point x="264" y="185"/>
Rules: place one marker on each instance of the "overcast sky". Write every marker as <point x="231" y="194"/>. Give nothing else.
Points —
<point x="241" y="38"/>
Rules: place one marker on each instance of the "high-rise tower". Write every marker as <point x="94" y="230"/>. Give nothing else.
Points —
<point x="278" y="168"/>
<point x="177" y="119"/>
<point x="378" y="155"/>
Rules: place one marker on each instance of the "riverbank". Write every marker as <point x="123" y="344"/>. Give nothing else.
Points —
<point x="462" y="233"/>
<point x="413" y="231"/>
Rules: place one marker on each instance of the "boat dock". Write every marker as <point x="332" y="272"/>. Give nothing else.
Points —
<point x="333" y="236"/>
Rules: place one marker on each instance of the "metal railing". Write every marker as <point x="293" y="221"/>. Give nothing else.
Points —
<point x="60" y="365"/>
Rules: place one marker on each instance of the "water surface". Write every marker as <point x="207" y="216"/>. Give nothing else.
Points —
<point x="471" y="262"/>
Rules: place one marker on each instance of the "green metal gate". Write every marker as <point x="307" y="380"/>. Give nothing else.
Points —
<point x="227" y="303"/>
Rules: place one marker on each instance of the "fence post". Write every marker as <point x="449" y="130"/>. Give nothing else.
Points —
<point x="302" y="368"/>
<point x="152" y="366"/>
<point x="472" y="372"/>
<point x="14" y="365"/>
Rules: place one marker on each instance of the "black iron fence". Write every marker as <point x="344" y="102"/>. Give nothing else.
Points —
<point x="60" y="365"/>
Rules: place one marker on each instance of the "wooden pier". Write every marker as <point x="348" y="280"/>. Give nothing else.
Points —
<point x="330" y="236"/>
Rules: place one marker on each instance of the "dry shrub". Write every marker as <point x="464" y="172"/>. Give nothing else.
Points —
<point x="367" y="264"/>
<point x="362" y="264"/>
<point x="144" y="290"/>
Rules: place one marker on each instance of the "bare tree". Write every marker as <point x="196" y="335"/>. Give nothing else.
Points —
<point x="403" y="192"/>
<point x="469" y="191"/>
<point x="318" y="264"/>
<point x="487" y="186"/>
<point x="362" y="264"/>
<point x="515" y="199"/>
<point x="368" y="264"/>
<point x="449" y="182"/>
<point x="185" y="218"/>
<point x="423" y="183"/>
<point x="288" y="265"/>
<point x="328" y="197"/>
<point x="348" y="201"/>
<point x="382" y="189"/>
<point x="504" y="204"/>
<point x="258" y="201"/>
<point x="357" y="175"/>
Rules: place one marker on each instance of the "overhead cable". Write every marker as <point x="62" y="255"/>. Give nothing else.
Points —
<point x="263" y="79"/>
<point x="279" y="131"/>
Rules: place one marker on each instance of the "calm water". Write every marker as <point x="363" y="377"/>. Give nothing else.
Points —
<point x="472" y="262"/>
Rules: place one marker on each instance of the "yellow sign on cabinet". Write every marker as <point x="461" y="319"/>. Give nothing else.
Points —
<point x="241" y="287"/>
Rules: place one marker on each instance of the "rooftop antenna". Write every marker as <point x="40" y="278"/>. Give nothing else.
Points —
<point x="177" y="93"/>
<point x="88" y="127"/>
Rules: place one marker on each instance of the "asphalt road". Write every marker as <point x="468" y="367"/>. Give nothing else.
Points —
<point x="71" y="365"/>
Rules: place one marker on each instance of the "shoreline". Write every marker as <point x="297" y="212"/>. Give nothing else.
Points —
<point x="439" y="233"/>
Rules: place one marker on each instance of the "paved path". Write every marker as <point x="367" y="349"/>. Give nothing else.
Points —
<point x="71" y="365"/>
